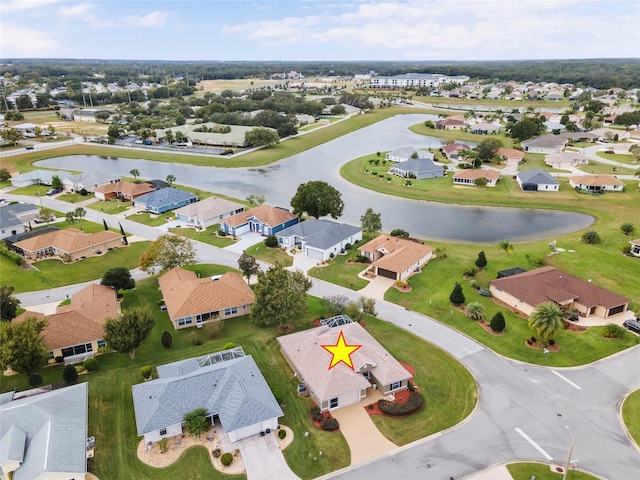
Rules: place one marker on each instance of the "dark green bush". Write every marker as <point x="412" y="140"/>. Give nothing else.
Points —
<point x="330" y="424"/>
<point x="271" y="241"/>
<point x="226" y="459"/>
<point x="35" y="380"/>
<point x="166" y="339"/>
<point x="497" y="322"/>
<point x="146" y="371"/>
<point x="282" y="434"/>
<point x="59" y="359"/>
<point x="315" y="413"/>
<point x="90" y="364"/>
<point x="14" y="257"/>
<point x="413" y="404"/>
<point x="69" y="374"/>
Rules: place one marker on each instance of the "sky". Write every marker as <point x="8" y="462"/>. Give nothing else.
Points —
<point x="320" y="30"/>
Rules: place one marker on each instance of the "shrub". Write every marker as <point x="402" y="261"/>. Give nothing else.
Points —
<point x="216" y="452"/>
<point x="331" y="255"/>
<point x="281" y="434"/>
<point x="271" y="241"/>
<point x="83" y="192"/>
<point x="408" y="183"/>
<point x="398" y="232"/>
<point x="14" y="257"/>
<point x="330" y="424"/>
<point x="473" y="283"/>
<point x="533" y="339"/>
<point x="163" y="444"/>
<point x="69" y="374"/>
<point x="316" y="416"/>
<point x="457" y="297"/>
<point x="347" y="246"/>
<point x="552" y="343"/>
<point x="484" y="292"/>
<point x="146" y="372"/>
<point x="362" y="259"/>
<point x="35" y="380"/>
<point x="90" y="364"/>
<point x="229" y="346"/>
<point x="612" y="330"/>
<point x="591" y="237"/>
<point x="226" y="459"/>
<point x="413" y="404"/>
<point x="627" y="228"/>
<point x="470" y="272"/>
<point x="166" y="339"/>
<point x="213" y="329"/>
<point x="59" y="359"/>
<point x="497" y="322"/>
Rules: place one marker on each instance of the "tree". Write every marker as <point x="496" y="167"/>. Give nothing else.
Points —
<point x="8" y="303"/>
<point x="497" y="322"/>
<point x="627" y="228"/>
<point x="170" y="179"/>
<point x="106" y="227"/>
<point x="371" y="222"/>
<point x="119" y="278"/>
<point x="457" y="297"/>
<point x="169" y="137"/>
<point x="11" y="135"/>
<point x="69" y="374"/>
<point x="261" y="136"/>
<point x="248" y="265"/>
<point x="4" y="175"/>
<point x="22" y="346"/>
<point x="124" y="235"/>
<point x="102" y="117"/>
<point x="336" y="304"/>
<point x="114" y="131"/>
<point x="527" y="128"/>
<point x="591" y="237"/>
<point x="56" y="182"/>
<point x="317" y="198"/>
<point x="358" y="309"/>
<point x="281" y="296"/>
<point x="255" y="200"/>
<point x="167" y="252"/>
<point x="546" y="319"/>
<point x="634" y="150"/>
<point x="166" y="339"/>
<point x="488" y="148"/>
<point x="70" y="217"/>
<point x="135" y="173"/>
<point x="481" y="261"/>
<point x="46" y="215"/>
<point x="79" y="213"/>
<point x="506" y="246"/>
<point x="475" y="311"/>
<point x="196" y="421"/>
<point x="126" y="333"/>
<point x="398" y="232"/>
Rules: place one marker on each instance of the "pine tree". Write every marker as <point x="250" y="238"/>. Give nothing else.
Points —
<point x="481" y="261"/>
<point x="124" y="235"/>
<point x="497" y="322"/>
<point x="104" y="222"/>
<point x="457" y="297"/>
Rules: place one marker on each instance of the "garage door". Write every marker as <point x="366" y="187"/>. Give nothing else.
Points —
<point x="313" y="253"/>
<point x="387" y="273"/>
<point x="242" y="229"/>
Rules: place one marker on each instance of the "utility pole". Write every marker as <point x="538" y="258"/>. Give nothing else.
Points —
<point x="566" y="467"/>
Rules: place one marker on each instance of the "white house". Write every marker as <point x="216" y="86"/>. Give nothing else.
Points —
<point x="207" y="212"/>
<point x="566" y="159"/>
<point x="320" y="239"/>
<point x="405" y="153"/>
<point x="596" y="183"/>
<point x="537" y="180"/>
<point x="545" y="144"/>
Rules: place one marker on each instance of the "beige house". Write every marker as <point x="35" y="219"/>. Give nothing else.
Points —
<point x="566" y="160"/>
<point x="525" y="291"/>
<point x="76" y="331"/>
<point x="510" y="155"/>
<point x="451" y="124"/>
<point x="374" y="367"/>
<point x="71" y="242"/>
<point x="195" y="301"/>
<point x="127" y="190"/>
<point x="208" y="212"/>
<point x="635" y="247"/>
<point x="596" y="183"/>
<point x="469" y="176"/>
<point x="396" y="257"/>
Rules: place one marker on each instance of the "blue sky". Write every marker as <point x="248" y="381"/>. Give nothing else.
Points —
<point x="310" y="30"/>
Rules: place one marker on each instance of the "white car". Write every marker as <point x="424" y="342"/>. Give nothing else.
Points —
<point x="138" y="142"/>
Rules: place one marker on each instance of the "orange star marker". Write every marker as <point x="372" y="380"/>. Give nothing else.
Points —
<point x="341" y="352"/>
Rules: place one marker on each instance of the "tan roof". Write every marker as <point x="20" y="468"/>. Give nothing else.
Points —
<point x="399" y="253"/>
<point x="272" y="216"/>
<point x="80" y="322"/>
<point x="635" y="242"/>
<point x="455" y="147"/>
<point x="510" y="153"/>
<point x="596" y="180"/>
<point x="566" y="156"/>
<point x="474" y="174"/>
<point x="305" y="351"/>
<point x="67" y="240"/>
<point x="128" y="188"/>
<point x="186" y="295"/>
<point x="550" y="284"/>
<point x="209" y="208"/>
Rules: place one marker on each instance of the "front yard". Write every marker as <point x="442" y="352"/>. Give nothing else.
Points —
<point x="206" y="236"/>
<point x="270" y="255"/>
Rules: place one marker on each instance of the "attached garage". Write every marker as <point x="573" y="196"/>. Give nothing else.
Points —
<point x="387" y="273"/>
<point x="242" y="229"/>
<point x="316" y="254"/>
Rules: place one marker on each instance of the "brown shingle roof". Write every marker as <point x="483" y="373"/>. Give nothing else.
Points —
<point x="67" y="240"/>
<point x="596" y="180"/>
<point x="127" y="188"/>
<point x="474" y="174"/>
<point x="549" y="283"/>
<point x="510" y="153"/>
<point x="272" y="216"/>
<point x="82" y="321"/>
<point x="455" y="147"/>
<point x="399" y="253"/>
<point x="186" y="295"/>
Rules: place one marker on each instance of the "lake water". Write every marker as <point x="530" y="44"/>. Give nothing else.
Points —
<point x="278" y="183"/>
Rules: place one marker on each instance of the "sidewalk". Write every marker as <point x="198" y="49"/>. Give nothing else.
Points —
<point x="496" y="472"/>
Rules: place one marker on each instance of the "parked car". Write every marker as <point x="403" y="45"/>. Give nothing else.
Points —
<point x="53" y="191"/>
<point x="29" y="147"/>
<point x="138" y="142"/>
<point x="633" y="325"/>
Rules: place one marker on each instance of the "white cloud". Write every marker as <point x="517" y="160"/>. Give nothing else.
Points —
<point x="11" y="6"/>
<point x="79" y="10"/>
<point x="155" y="19"/>
<point x="39" y="44"/>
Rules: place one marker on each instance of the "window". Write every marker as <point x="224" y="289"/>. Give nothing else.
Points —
<point x="395" y="385"/>
<point x="102" y="343"/>
<point x="89" y="347"/>
<point x="163" y="431"/>
<point x="231" y="311"/>
<point x="185" y="321"/>
<point x="333" y="403"/>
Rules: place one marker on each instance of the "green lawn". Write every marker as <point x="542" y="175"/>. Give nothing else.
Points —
<point x="459" y="136"/>
<point x="53" y="273"/>
<point x="526" y="470"/>
<point x="599" y="168"/>
<point x="631" y="415"/>
<point x="536" y="160"/>
<point x="151" y="219"/>
<point x="207" y="236"/>
<point x="32" y="190"/>
<point x="341" y="270"/>
<point x="110" y="207"/>
<point x="270" y="255"/>
<point x="506" y="104"/>
<point x="618" y="157"/>
<point x="73" y="197"/>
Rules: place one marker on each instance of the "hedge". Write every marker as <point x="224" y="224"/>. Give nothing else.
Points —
<point x="330" y="424"/>
<point x="413" y="404"/>
<point x="14" y="257"/>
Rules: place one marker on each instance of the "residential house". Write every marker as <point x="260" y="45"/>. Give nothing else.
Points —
<point x="227" y="384"/>
<point x="537" y="180"/>
<point x="37" y="177"/>
<point x="44" y="435"/>
<point x="405" y="153"/>
<point x="88" y="115"/>
<point x="320" y="239"/>
<point x="26" y="129"/>
<point x="545" y="144"/>
<point x="607" y="134"/>
<point x="484" y="128"/>
<point x="469" y="176"/>
<point x="208" y="212"/>
<point x="89" y="181"/>
<point x="572" y="137"/>
<point x="525" y="291"/>
<point x="596" y="183"/>
<point x="451" y="124"/>
<point x="510" y="155"/>
<point x="635" y="247"/>
<point x="14" y="217"/>
<point x="396" y="257"/>
<point x="566" y="159"/>
<point x="69" y="242"/>
<point x="123" y="189"/>
<point x="195" y="301"/>
<point x="340" y="386"/>
<point x="164" y="200"/>
<point x="76" y="331"/>
<point x="262" y="219"/>
<point x="418" y="168"/>
<point x="452" y="151"/>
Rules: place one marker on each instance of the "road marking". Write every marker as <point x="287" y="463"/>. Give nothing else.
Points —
<point x="566" y="380"/>
<point x="534" y="444"/>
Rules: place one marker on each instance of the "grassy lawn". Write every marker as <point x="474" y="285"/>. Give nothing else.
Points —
<point x="536" y="160"/>
<point x="449" y="389"/>
<point x="618" y="157"/>
<point x="631" y="415"/>
<point x="507" y="105"/>
<point x="53" y="273"/>
<point x="596" y="167"/>
<point x="111" y="207"/>
<point x="526" y="470"/>
<point x="270" y="255"/>
<point x="73" y="197"/>
<point x="151" y="219"/>
<point x="207" y="236"/>
<point x="459" y="136"/>
<point x="31" y="190"/>
<point x="340" y="272"/>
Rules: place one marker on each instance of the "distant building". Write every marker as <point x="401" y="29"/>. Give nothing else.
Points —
<point x="428" y="80"/>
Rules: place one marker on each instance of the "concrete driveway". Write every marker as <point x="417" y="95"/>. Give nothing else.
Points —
<point x="245" y="241"/>
<point x="303" y="262"/>
<point x="377" y="287"/>
<point x="263" y="459"/>
<point x="364" y="439"/>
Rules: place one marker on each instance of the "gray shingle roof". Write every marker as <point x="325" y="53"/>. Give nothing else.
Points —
<point x="165" y="196"/>
<point x="9" y="214"/>
<point x="320" y="234"/>
<point x="55" y="427"/>
<point x="537" y="176"/>
<point x="418" y="165"/>
<point x="234" y="389"/>
<point x="41" y="176"/>
<point x="546" y="141"/>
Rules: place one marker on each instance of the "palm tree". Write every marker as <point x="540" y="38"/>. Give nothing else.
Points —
<point x="170" y="179"/>
<point x="547" y="320"/>
<point x="475" y="311"/>
<point x="507" y="246"/>
<point x="135" y="173"/>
